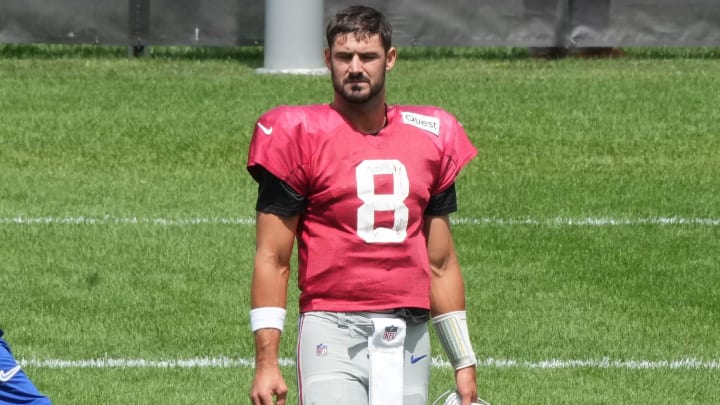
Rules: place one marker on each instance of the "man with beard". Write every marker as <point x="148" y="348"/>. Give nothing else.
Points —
<point x="366" y="189"/>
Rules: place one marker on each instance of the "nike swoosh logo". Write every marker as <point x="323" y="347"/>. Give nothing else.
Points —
<point x="5" y="376"/>
<point x="414" y="359"/>
<point x="266" y="130"/>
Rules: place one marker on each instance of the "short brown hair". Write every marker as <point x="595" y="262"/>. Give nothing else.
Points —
<point x="361" y="21"/>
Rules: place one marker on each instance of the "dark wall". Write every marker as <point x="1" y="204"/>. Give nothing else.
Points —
<point x="416" y="22"/>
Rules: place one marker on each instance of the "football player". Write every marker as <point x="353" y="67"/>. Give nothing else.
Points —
<point x="366" y="189"/>
<point x="15" y="386"/>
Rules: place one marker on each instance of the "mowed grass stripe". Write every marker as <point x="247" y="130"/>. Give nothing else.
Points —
<point x="587" y="225"/>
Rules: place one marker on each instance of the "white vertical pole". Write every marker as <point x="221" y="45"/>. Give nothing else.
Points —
<point x="294" y="37"/>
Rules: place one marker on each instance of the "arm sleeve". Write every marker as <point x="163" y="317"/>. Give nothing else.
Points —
<point x="457" y="149"/>
<point x="443" y="203"/>
<point x="276" y="196"/>
<point x="284" y="150"/>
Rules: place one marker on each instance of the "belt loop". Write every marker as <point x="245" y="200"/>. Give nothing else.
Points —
<point x="342" y="322"/>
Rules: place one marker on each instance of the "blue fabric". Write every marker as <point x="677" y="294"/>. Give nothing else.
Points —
<point x="15" y="386"/>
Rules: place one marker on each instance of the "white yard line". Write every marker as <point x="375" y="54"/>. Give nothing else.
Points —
<point x="226" y="362"/>
<point x="558" y="221"/>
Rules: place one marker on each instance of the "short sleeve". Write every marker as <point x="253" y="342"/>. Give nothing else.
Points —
<point x="277" y="145"/>
<point x="458" y="151"/>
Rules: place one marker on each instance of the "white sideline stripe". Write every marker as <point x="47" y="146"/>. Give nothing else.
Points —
<point x="226" y="362"/>
<point x="589" y="221"/>
<point x="110" y="220"/>
<point x="559" y="221"/>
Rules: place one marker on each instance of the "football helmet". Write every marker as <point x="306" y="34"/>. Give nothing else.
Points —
<point x="451" y="397"/>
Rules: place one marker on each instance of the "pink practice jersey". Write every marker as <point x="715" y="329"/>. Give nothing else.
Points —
<point x="360" y="240"/>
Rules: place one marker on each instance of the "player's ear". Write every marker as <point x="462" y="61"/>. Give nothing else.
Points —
<point x="327" y="58"/>
<point x="390" y="58"/>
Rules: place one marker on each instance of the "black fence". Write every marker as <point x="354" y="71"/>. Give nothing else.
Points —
<point x="474" y="23"/>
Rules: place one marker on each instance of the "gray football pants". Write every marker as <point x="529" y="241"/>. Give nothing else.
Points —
<point x="333" y="361"/>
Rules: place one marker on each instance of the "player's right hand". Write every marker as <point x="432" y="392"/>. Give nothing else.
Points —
<point x="268" y="385"/>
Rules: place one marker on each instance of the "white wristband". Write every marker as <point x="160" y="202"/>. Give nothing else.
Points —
<point x="452" y="330"/>
<point x="267" y="317"/>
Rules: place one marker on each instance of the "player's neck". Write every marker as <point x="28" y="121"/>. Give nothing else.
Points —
<point x="368" y="118"/>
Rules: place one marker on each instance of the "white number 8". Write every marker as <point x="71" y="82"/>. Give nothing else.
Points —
<point x="395" y="202"/>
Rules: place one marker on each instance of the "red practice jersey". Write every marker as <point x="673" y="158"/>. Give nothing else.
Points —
<point x="360" y="240"/>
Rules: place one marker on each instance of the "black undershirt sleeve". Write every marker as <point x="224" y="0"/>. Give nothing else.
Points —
<point x="276" y="196"/>
<point x="443" y="203"/>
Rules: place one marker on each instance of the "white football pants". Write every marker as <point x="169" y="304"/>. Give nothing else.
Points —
<point x="334" y="366"/>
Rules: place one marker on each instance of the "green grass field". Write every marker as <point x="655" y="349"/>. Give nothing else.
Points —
<point x="588" y="230"/>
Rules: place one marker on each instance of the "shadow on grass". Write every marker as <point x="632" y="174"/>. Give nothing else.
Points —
<point x="253" y="55"/>
<point x="520" y="53"/>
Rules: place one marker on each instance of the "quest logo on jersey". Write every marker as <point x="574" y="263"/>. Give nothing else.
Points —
<point x="430" y="124"/>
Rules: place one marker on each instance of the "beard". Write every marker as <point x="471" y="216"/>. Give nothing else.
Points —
<point x="352" y="88"/>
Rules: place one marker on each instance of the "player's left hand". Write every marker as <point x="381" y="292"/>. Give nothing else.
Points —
<point x="466" y="385"/>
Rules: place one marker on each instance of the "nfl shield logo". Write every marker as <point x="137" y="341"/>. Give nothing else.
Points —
<point x="390" y="333"/>
<point x="321" y="350"/>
